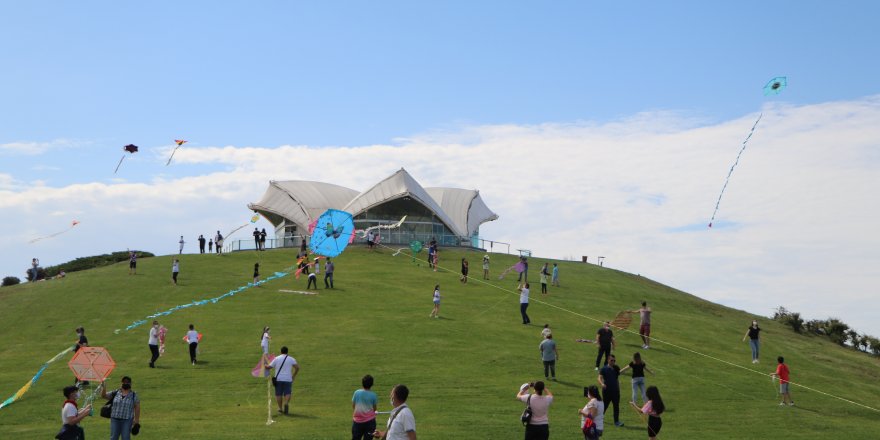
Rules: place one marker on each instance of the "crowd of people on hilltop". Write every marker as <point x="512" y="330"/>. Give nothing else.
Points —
<point x="537" y="397"/>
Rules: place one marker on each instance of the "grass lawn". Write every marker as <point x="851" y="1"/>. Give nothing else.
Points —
<point x="463" y="369"/>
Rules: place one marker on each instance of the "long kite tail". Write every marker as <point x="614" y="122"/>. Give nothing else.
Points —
<point x="34" y="379"/>
<point x="172" y="155"/>
<point x="120" y="163"/>
<point x="269" y="420"/>
<point x="373" y="228"/>
<point x="50" y="236"/>
<point x="506" y="271"/>
<point x="735" y="163"/>
<point x="229" y="234"/>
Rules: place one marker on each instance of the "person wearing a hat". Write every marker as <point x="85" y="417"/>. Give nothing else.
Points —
<point x="485" y="267"/>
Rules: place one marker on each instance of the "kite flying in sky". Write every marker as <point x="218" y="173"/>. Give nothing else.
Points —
<point x="773" y="87"/>
<point x="72" y="225"/>
<point x="131" y="149"/>
<point x="179" y="143"/>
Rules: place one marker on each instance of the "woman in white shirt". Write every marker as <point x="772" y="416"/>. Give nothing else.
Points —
<point x="192" y="337"/>
<point x="538" y="427"/>
<point x="71" y="415"/>
<point x="264" y="341"/>
<point x="435" y="313"/>
<point x="595" y="408"/>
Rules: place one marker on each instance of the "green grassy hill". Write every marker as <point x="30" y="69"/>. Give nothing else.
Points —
<point x="463" y="370"/>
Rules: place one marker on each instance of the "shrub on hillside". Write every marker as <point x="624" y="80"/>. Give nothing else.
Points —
<point x="10" y="281"/>
<point x="41" y="274"/>
<point x="834" y="329"/>
<point x="791" y="319"/>
<point x="84" y="263"/>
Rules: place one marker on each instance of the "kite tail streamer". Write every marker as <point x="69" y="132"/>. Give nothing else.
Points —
<point x="373" y="228"/>
<point x="120" y="163"/>
<point x="269" y="420"/>
<point x="727" y="180"/>
<point x="506" y="271"/>
<point x="235" y="230"/>
<point x="172" y="156"/>
<point x="205" y="301"/>
<point x="34" y="379"/>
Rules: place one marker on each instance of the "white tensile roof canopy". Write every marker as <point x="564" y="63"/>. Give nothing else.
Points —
<point x="300" y="202"/>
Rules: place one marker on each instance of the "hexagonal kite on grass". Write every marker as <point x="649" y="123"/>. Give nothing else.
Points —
<point x="91" y="364"/>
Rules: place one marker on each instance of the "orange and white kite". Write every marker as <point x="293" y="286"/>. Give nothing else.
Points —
<point x="179" y="143"/>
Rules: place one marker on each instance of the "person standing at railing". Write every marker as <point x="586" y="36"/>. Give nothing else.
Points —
<point x="263" y="239"/>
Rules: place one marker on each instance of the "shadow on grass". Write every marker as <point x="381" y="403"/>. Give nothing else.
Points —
<point x="568" y="384"/>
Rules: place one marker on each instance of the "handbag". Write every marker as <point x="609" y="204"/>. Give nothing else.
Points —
<point x="589" y="428"/>
<point x="107" y="409"/>
<point x="275" y="377"/>
<point x="526" y="416"/>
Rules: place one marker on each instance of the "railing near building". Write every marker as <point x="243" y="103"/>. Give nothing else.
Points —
<point x="388" y="238"/>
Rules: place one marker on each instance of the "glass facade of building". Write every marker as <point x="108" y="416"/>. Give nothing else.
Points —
<point x="421" y="224"/>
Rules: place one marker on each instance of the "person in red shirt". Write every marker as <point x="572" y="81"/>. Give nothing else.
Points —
<point x="782" y="373"/>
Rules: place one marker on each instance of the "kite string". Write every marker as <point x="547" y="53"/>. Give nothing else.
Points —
<point x="735" y="163"/>
<point x="653" y="339"/>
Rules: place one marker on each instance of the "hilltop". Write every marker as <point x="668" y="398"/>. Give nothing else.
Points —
<point x="463" y="369"/>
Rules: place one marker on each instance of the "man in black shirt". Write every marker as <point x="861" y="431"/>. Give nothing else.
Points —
<point x="81" y="341"/>
<point x="201" y="244"/>
<point x="608" y="379"/>
<point x="605" y="340"/>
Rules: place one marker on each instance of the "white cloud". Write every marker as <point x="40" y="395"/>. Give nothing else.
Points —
<point x="795" y="227"/>
<point x="35" y="148"/>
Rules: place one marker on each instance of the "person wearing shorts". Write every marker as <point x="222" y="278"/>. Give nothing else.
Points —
<point x="782" y="373"/>
<point x="132" y="263"/>
<point x="435" y="312"/>
<point x="286" y="370"/>
<point x="644" y="324"/>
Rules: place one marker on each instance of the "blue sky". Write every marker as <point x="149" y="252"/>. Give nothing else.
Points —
<point x="80" y="80"/>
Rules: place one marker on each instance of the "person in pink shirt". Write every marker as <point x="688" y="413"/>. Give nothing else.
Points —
<point x="363" y="407"/>
<point x="538" y="427"/>
<point x="652" y="408"/>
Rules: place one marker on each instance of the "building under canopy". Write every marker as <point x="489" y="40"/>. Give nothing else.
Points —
<point x="451" y="215"/>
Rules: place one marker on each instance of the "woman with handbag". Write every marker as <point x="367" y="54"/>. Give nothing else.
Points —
<point x="535" y="415"/>
<point x="125" y="412"/>
<point x="594" y="410"/>
<point x="71" y="415"/>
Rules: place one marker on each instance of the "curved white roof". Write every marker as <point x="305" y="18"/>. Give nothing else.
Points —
<point x="400" y="184"/>
<point x="301" y="201"/>
<point x="464" y="206"/>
